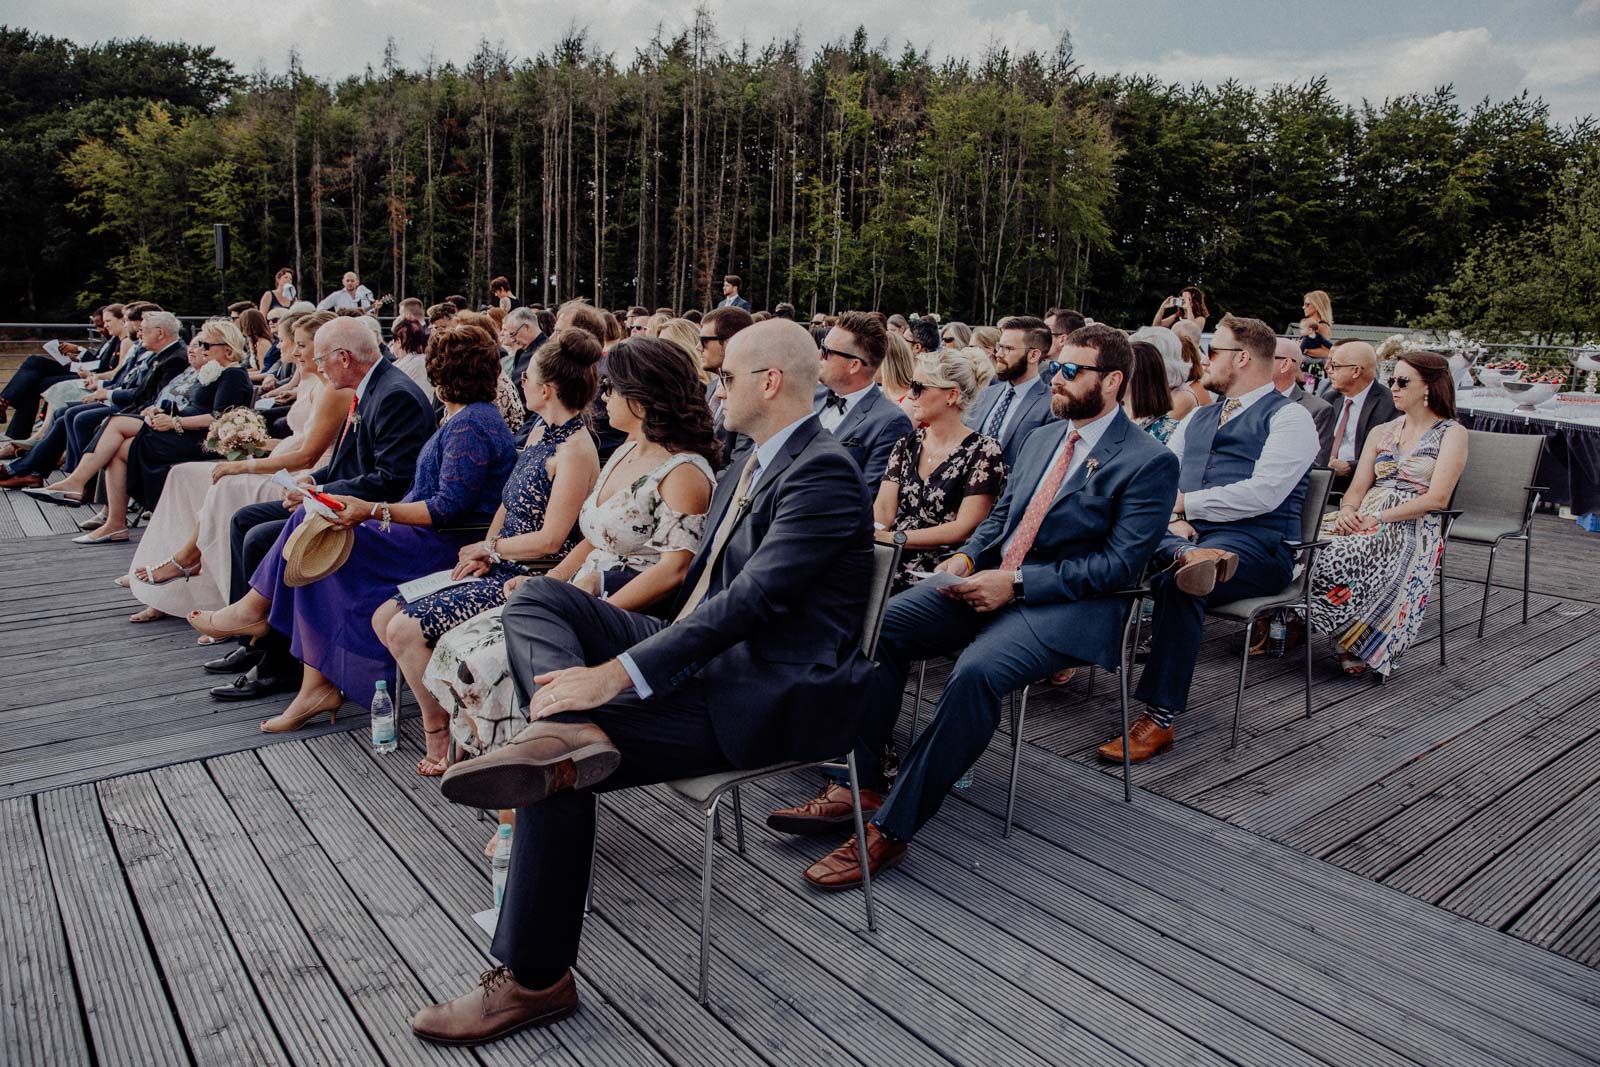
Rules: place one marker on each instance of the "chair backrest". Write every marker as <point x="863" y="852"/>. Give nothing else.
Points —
<point x="885" y="560"/>
<point x="1500" y="467"/>
<point x="1315" y="503"/>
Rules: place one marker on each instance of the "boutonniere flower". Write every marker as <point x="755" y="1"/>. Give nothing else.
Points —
<point x="1091" y="465"/>
<point x="209" y="372"/>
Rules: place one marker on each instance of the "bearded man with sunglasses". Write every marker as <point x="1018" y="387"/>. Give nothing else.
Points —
<point x="1083" y="510"/>
<point x="1244" y="464"/>
<point x="849" y="403"/>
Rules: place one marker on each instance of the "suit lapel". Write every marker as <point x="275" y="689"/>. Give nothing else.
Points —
<point x="1104" y="451"/>
<point x="856" y="415"/>
<point x="1024" y="410"/>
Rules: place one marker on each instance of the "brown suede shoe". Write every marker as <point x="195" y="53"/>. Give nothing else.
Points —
<point x="545" y="757"/>
<point x="830" y="809"/>
<point x="841" y="868"/>
<point x="495" y="1008"/>
<point x="1201" y="569"/>
<point x="21" y="481"/>
<point x="1147" y="739"/>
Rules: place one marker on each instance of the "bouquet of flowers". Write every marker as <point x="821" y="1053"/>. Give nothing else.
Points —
<point x="236" y="434"/>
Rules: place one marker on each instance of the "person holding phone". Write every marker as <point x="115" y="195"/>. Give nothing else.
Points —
<point x="1189" y="305"/>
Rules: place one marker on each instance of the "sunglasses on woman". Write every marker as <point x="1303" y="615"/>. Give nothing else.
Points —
<point x="1399" y="381"/>
<point x="916" y="389"/>
<point x="605" y="388"/>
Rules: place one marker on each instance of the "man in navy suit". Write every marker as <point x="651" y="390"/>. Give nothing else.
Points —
<point x="1017" y="402"/>
<point x="1085" y="507"/>
<point x="374" y="458"/>
<point x="849" y="403"/>
<point x="730" y="293"/>
<point x="762" y="663"/>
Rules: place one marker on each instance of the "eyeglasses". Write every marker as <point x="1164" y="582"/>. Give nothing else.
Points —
<point x="726" y="377"/>
<point x="321" y="361"/>
<point x="1399" y="381"/>
<point x="705" y="340"/>
<point x="1218" y="348"/>
<point x="213" y="344"/>
<point x="606" y="388"/>
<point x="1068" y="371"/>
<point x="638" y="328"/>
<point x="826" y="352"/>
<point x="1343" y="366"/>
<point x="947" y="339"/>
<point x="916" y="389"/>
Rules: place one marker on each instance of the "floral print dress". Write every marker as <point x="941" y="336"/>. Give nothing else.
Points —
<point x="975" y="468"/>
<point x="469" y="673"/>
<point x="1369" y="590"/>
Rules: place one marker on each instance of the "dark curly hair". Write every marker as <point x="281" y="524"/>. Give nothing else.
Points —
<point x="464" y="364"/>
<point x="664" y="380"/>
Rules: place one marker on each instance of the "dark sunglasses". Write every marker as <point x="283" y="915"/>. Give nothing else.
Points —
<point x="826" y="352"/>
<point x="605" y="388"/>
<point x="947" y="339"/>
<point x="707" y="339"/>
<point x="1050" y="368"/>
<point x="1399" y="381"/>
<point x="916" y="389"/>
<point x="637" y="328"/>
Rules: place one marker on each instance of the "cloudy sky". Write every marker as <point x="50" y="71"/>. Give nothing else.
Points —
<point x="1367" y="48"/>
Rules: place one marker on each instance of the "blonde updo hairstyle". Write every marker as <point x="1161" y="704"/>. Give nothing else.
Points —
<point x="949" y="368"/>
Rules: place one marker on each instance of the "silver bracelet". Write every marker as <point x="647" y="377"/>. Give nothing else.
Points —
<point x="387" y="518"/>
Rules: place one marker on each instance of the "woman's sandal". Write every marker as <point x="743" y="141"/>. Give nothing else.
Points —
<point x="433" y="766"/>
<point x="201" y="620"/>
<point x="148" y="615"/>
<point x="147" y="574"/>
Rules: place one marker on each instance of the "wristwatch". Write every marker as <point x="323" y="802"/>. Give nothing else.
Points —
<point x="1016" y="585"/>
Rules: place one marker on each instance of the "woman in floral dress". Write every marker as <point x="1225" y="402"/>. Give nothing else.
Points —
<point x="641" y="526"/>
<point x="942" y="479"/>
<point x="538" y="511"/>
<point x="1370" y="586"/>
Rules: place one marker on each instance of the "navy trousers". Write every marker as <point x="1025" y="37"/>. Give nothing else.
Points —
<point x="83" y="431"/>
<point x="25" y="389"/>
<point x="1179" y="621"/>
<point x="550" y="625"/>
<point x="998" y="654"/>
<point x="54" y="449"/>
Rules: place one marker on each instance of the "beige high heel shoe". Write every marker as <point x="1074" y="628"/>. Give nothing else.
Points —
<point x="282" y="724"/>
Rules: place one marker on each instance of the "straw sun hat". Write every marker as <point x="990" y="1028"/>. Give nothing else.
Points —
<point x="315" y="550"/>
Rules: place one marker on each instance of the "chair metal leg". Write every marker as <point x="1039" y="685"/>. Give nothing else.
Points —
<point x="1019" y="713"/>
<point x="716" y="822"/>
<point x="1307" y="636"/>
<point x="1124" y="668"/>
<point x="861" y="843"/>
<point x="594" y="846"/>
<point x="1488" y="584"/>
<point x="738" y="821"/>
<point x="705" y="899"/>
<point x="399" y="683"/>
<point x="1443" y="548"/>
<point x="1527" y="571"/>
<point x="1244" y="666"/>
<point x="916" y="705"/>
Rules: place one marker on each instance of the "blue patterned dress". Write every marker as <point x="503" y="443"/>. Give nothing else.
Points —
<point x="460" y="473"/>
<point x="526" y="496"/>
<point x="1370" y="590"/>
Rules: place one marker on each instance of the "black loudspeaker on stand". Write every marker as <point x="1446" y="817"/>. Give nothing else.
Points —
<point x="219" y="232"/>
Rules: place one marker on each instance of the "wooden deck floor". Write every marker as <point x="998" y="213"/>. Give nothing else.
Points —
<point x="179" y="888"/>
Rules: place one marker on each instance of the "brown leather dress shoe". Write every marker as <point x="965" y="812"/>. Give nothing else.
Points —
<point x="828" y="810"/>
<point x="841" y="868"/>
<point x="497" y="1007"/>
<point x="1201" y="569"/>
<point x="545" y="757"/>
<point x="1147" y="739"/>
<point x="21" y="481"/>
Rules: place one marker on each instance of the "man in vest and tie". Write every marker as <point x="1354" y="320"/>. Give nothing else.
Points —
<point x="762" y="663"/>
<point x="1244" y="464"/>
<point x="1085" y="507"/>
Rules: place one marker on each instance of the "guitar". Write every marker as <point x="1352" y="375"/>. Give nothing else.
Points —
<point x="386" y="298"/>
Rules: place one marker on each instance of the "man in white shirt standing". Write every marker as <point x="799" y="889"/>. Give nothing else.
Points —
<point x="352" y="295"/>
<point x="1242" y="478"/>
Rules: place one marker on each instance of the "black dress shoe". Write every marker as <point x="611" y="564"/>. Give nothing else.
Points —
<point x="251" y="684"/>
<point x="240" y="659"/>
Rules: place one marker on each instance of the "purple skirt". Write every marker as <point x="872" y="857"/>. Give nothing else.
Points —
<point x="329" y="622"/>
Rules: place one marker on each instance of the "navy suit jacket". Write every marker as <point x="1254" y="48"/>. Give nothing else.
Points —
<point x="1033" y="413"/>
<point x="735" y="301"/>
<point x="869" y="431"/>
<point x="777" y="639"/>
<point x="376" y="458"/>
<point x="1097" y="536"/>
<point x="145" y="383"/>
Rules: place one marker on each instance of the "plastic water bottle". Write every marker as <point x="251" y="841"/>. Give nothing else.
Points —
<point x="965" y="781"/>
<point x="1277" y="632"/>
<point x="500" y="863"/>
<point x="383" y="736"/>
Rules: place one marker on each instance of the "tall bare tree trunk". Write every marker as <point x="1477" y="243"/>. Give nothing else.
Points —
<point x="316" y="205"/>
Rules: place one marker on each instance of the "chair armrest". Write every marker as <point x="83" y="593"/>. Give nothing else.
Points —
<point x="1452" y="513"/>
<point x="1301" y="546"/>
<point x="466" y="528"/>
<point x="1122" y="594"/>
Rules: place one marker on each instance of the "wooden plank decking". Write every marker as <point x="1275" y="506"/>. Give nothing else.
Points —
<point x="1374" y="888"/>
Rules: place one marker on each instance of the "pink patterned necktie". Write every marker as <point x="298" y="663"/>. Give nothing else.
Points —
<point x="1028" y="529"/>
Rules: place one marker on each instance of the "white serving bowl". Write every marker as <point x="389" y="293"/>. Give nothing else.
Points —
<point x="1530" y="395"/>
